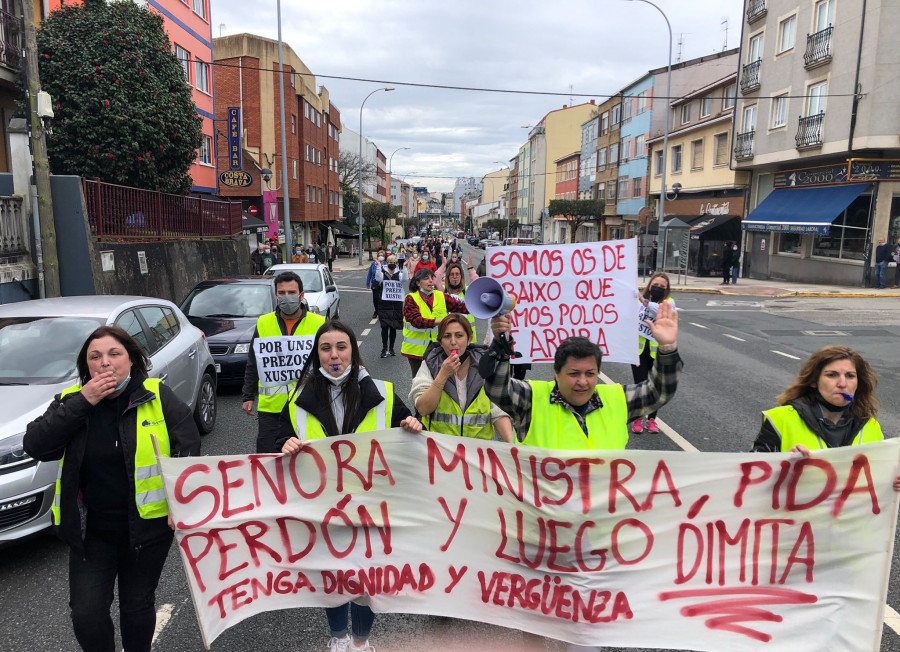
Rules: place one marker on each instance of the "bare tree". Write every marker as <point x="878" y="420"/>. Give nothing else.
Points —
<point x="348" y="172"/>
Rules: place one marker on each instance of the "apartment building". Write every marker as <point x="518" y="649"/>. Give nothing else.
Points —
<point x="702" y="188"/>
<point x="566" y="187"/>
<point x="818" y="119"/>
<point x="603" y="178"/>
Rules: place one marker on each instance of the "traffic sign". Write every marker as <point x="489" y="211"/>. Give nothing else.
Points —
<point x="253" y="211"/>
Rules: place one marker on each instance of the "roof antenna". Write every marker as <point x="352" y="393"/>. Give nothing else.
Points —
<point x="221" y="27"/>
<point x="725" y="27"/>
<point x="680" y="46"/>
<point x="571" y="97"/>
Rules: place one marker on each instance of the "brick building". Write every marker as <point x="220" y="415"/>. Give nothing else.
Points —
<point x="247" y="80"/>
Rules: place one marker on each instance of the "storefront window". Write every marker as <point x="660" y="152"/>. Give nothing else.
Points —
<point x="789" y="243"/>
<point x="894" y="234"/>
<point x="847" y="239"/>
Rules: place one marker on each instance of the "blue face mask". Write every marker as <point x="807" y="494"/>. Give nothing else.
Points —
<point x="122" y="384"/>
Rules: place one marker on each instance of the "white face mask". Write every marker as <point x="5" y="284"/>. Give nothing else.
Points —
<point x="335" y="380"/>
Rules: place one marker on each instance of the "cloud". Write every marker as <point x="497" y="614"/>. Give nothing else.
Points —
<point x="594" y="47"/>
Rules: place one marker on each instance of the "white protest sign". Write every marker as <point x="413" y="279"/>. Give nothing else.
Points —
<point x="647" y="312"/>
<point x="391" y="291"/>
<point x="585" y="289"/>
<point x="279" y="360"/>
<point x="654" y="549"/>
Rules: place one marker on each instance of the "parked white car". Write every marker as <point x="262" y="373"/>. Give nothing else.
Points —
<point x="319" y="289"/>
<point x="39" y="342"/>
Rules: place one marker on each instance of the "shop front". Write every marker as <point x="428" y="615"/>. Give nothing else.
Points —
<point x="714" y="219"/>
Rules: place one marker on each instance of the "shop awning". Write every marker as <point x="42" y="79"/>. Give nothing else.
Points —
<point x="802" y="210"/>
<point x="709" y="222"/>
<point x="341" y="230"/>
<point x="252" y="224"/>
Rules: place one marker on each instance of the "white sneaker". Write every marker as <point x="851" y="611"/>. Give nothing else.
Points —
<point x="339" y="644"/>
<point x="366" y="647"/>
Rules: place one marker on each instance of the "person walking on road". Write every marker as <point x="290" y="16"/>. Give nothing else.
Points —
<point x="289" y="318"/>
<point x="656" y="292"/>
<point x="336" y="396"/>
<point x="374" y="285"/>
<point x="390" y="313"/>
<point x="423" y="309"/>
<point x="882" y="258"/>
<point x="109" y="506"/>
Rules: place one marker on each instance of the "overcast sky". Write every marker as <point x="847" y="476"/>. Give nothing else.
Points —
<point x="596" y="47"/>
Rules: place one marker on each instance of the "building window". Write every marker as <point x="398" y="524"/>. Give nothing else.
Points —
<point x="331" y="164"/>
<point x="824" y="14"/>
<point x="307" y="193"/>
<point x="641" y="102"/>
<point x="754" y="52"/>
<point x="205" y="154"/>
<point x="636" y="186"/>
<point x="305" y="109"/>
<point x="611" y="191"/>
<point x="815" y="99"/>
<point x="697" y="154"/>
<point x="318" y="119"/>
<point x="625" y="146"/>
<point x="779" y="111"/>
<point x="294" y="168"/>
<point x="319" y="193"/>
<point x="705" y="107"/>
<point x="639" y="150"/>
<point x="847" y="238"/>
<point x="615" y="115"/>
<point x="729" y="98"/>
<point x="318" y="157"/>
<point x="676" y="159"/>
<point x="184" y="57"/>
<point x="201" y="75"/>
<point x="623" y="187"/>
<point x="686" y="113"/>
<point x="199" y="7"/>
<point x="789" y="243"/>
<point x="293" y="79"/>
<point x="307" y="152"/>
<point x="604" y="122"/>
<point x="601" y="191"/>
<point x="330" y="130"/>
<point x="786" y="30"/>
<point x="721" y="146"/>
<point x="626" y="109"/>
<point x="657" y="163"/>
<point x="614" y="153"/>
<point x="293" y="124"/>
<point x="601" y="157"/>
<point x="749" y="118"/>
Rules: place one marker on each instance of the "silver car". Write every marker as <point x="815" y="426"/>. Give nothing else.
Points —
<point x="319" y="289"/>
<point x="39" y="341"/>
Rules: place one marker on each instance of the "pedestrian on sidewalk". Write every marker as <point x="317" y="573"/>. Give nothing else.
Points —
<point x="726" y="263"/>
<point x="882" y="258"/>
<point x="897" y="268"/>
<point x="656" y="293"/>
<point x="735" y="263"/>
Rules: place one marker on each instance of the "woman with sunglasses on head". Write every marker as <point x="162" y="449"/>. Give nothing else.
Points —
<point x="656" y="292"/>
<point x="336" y="396"/>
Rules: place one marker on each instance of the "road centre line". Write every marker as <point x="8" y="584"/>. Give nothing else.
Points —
<point x="373" y="322"/>
<point x="365" y="332"/>
<point x="698" y="325"/>
<point x="344" y="288"/>
<point x="734" y="337"/>
<point x="786" y="355"/>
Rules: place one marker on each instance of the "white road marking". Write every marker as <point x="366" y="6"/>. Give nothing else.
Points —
<point x="734" y="337"/>
<point x="746" y="304"/>
<point x="163" y="615"/>
<point x="365" y="332"/>
<point x="698" y="325"/>
<point x="891" y="618"/>
<point x="344" y="288"/>
<point x="358" y="343"/>
<point x="373" y="322"/>
<point x="786" y="355"/>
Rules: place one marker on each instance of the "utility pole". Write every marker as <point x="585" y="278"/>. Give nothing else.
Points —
<point x="41" y="178"/>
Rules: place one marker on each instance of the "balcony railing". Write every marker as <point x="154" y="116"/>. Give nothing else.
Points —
<point x="750" y="76"/>
<point x="743" y="145"/>
<point x="809" y="131"/>
<point x="123" y="213"/>
<point x="13" y="227"/>
<point x="10" y="40"/>
<point x="818" y="48"/>
<point x="755" y="9"/>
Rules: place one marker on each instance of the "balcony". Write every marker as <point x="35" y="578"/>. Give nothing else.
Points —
<point x="809" y="131"/>
<point x="13" y="228"/>
<point x="818" y="48"/>
<point x="756" y="9"/>
<point x="10" y="40"/>
<point x="750" y="77"/>
<point x="743" y="145"/>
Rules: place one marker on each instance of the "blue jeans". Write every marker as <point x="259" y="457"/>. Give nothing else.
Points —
<point x="880" y="274"/>
<point x="734" y="274"/>
<point x="91" y="582"/>
<point x="338" y="618"/>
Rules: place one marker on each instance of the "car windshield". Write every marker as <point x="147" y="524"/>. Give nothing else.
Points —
<point x="41" y="350"/>
<point x="228" y="300"/>
<point x="311" y="278"/>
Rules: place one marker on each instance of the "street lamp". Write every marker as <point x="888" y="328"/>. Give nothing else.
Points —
<point x="662" y="194"/>
<point x="284" y="157"/>
<point x="507" y="203"/>
<point x="359" y="221"/>
<point x="391" y="179"/>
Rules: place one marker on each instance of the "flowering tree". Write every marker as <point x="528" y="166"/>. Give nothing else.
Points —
<point x="123" y="109"/>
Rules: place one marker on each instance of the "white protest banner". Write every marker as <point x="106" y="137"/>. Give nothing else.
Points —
<point x="647" y="312"/>
<point x="279" y="360"/>
<point x="586" y="289"/>
<point x="712" y="551"/>
<point x="391" y="291"/>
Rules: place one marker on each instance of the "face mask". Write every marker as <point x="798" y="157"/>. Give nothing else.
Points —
<point x="425" y="257"/>
<point x="122" y="384"/>
<point x="656" y="294"/>
<point x="392" y="267"/>
<point x="335" y="380"/>
<point x="427" y="293"/>
<point x="453" y="259"/>
<point x="734" y="248"/>
<point x="288" y="304"/>
<point x="381" y="259"/>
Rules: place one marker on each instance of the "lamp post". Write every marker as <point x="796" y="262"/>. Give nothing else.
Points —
<point x="284" y="157"/>
<point x="505" y="167"/>
<point x="359" y="221"/>
<point x="391" y="179"/>
<point x="662" y="193"/>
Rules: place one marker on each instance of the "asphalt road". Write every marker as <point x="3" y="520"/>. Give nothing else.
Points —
<point x="739" y="353"/>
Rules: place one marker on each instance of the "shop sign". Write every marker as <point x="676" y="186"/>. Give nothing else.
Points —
<point x="874" y="169"/>
<point x="818" y="176"/>
<point x="236" y="179"/>
<point x="234" y="138"/>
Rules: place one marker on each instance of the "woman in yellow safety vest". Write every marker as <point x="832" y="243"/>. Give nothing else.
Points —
<point x="656" y="292"/>
<point x="109" y="504"/>
<point x="448" y="391"/>
<point x="336" y="396"/>
<point x="451" y="277"/>
<point x="423" y="309"/>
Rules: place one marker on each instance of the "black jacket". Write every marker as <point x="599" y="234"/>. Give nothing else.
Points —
<point x="883" y="253"/>
<point x="250" y="389"/>
<point x="62" y="429"/>
<point x="769" y="441"/>
<point x="434" y="357"/>
<point x="369" y="398"/>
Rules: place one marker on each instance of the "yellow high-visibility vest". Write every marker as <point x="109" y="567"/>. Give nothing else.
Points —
<point x="273" y="399"/>
<point x="553" y="426"/>
<point x="449" y="419"/>
<point x="306" y="426"/>
<point x="789" y="425"/>
<point x="416" y="340"/>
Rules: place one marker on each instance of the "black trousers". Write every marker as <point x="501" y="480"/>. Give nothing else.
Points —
<point x="641" y="372"/>
<point x="268" y="432"/>
<point x="388" y="337"/>
<point x="108" y="557"/>
<point x="376" y="296"/>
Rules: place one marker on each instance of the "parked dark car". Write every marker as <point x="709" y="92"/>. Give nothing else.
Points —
<point x="226" y="310"/>
<point x="472" y="240"/>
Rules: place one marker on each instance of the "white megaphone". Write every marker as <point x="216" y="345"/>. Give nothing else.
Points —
<point x="486" y="298"/>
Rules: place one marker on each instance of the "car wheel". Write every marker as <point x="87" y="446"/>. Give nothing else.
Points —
<point x="206" y="407"/>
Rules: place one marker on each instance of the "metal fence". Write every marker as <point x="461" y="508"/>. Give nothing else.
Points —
<point x="13" y="227"/>
<point x="123" y="213"/>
